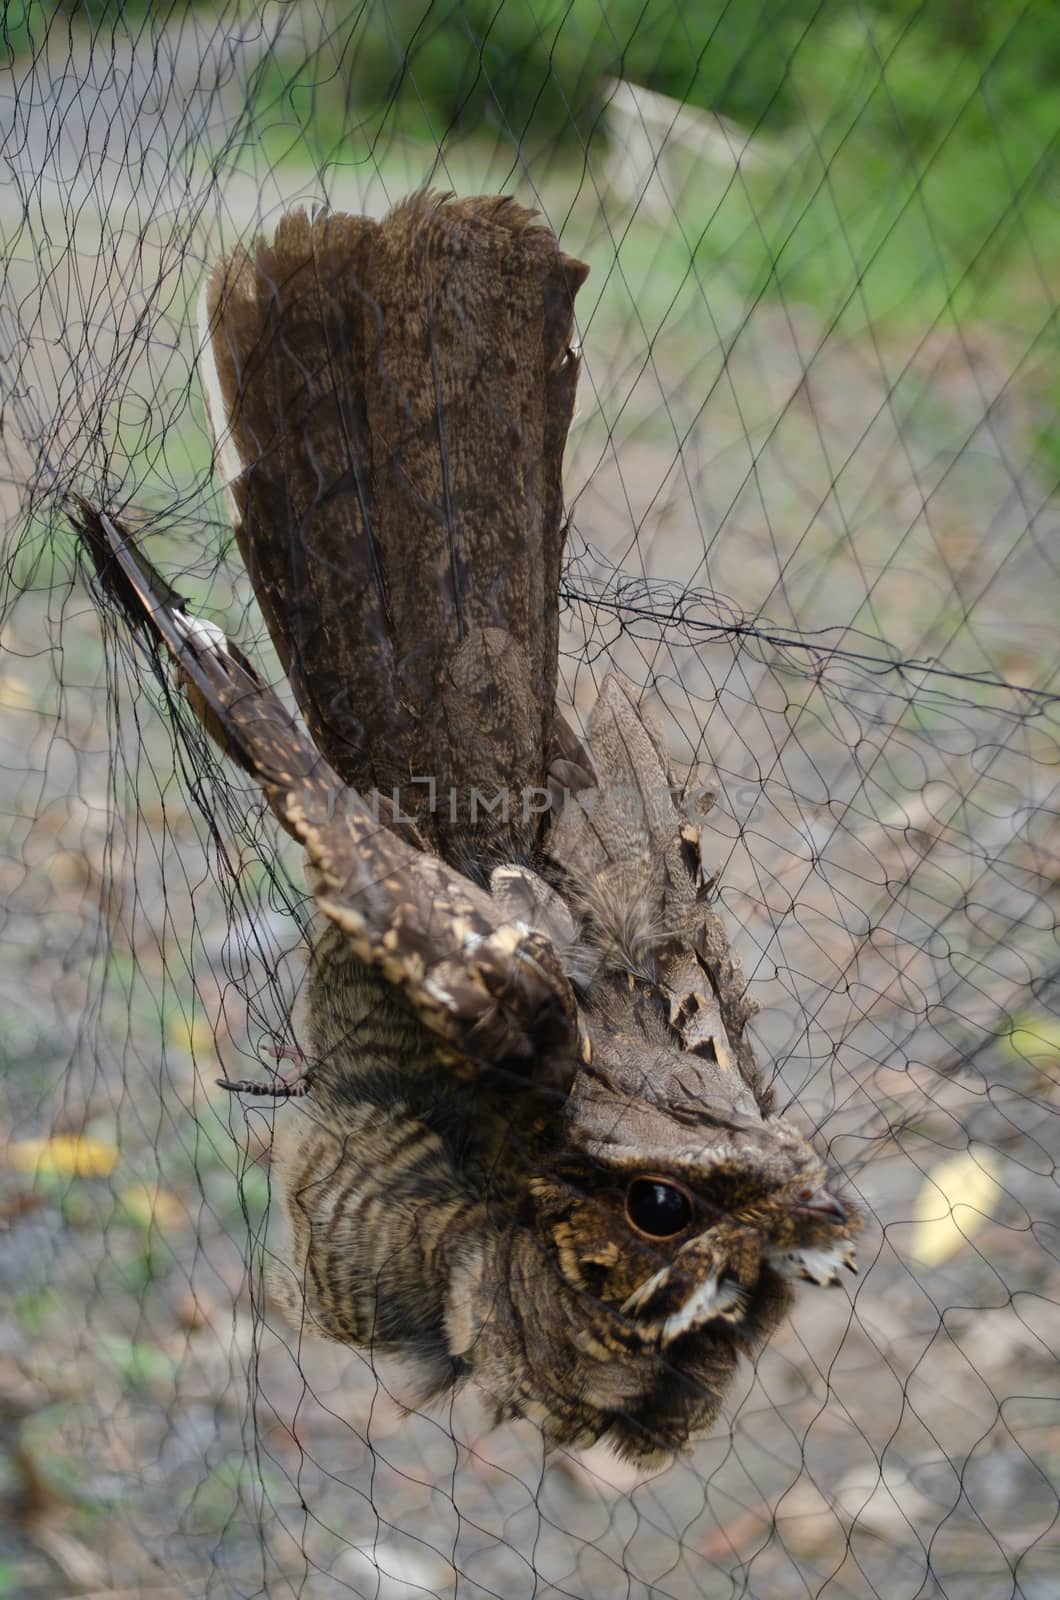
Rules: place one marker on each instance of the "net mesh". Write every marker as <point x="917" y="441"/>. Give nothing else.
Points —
<point x="812" y="487"/>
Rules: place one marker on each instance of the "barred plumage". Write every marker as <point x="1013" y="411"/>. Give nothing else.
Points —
<point x="536" y="1149"/>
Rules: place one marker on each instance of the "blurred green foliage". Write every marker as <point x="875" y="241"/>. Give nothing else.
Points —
<point x="539" y="68"/>
<point x="916" y="138"/>
<point x="24" y="24"/>
<point x="911" y="142"/>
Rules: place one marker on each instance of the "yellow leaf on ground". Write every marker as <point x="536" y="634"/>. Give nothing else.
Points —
<point x="193" y="1035"/>
<point x="14" y="694"/>
<point x="954" y="1201"/>
<point x="1035" y="1039"/>
<point x="151" y="1207"/>
<point x="64" y="1155"/>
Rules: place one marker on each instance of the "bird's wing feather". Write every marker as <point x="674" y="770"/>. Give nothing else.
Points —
<point x="632" y="856"/>
<point x="494" y="992"/>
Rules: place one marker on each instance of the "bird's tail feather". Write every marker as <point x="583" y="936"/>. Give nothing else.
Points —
<point x="390" y="403"/>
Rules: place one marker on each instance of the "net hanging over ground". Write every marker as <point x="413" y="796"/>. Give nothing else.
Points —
<point x="811" y="487"/>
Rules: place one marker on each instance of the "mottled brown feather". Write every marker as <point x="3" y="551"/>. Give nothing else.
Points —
<point x="496" y="993"/>
<point x="391" y="402"/>
<point x="398" y="396"/>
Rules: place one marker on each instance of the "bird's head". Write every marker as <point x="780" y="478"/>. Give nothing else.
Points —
<point x="685" y="1211"/>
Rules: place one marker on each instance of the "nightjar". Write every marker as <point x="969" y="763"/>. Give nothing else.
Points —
<point x="531" y="1146"/>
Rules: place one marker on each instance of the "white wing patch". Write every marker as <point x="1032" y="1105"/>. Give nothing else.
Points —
<point x="204" y="636"/>
<point x="226" y="453"/>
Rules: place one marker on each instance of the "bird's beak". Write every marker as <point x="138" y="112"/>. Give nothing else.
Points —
<point x="823" y="1204"/>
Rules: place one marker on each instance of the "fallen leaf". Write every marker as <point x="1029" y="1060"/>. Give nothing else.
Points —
<point x="727" y="1541"/>
<point x="153" y="1208"/>
<point x="193" y="1311"/>
<point x="393" y="1571"/>
<point x="82" y="1566"/>
<point x="883" y="1500"/>
<point x="14" y="694"/>
<point x="193" y="1035"/>
<point x="954" y="1201"/>
<point x="64" y="1155"/>
<point x="807" y="1522"/>
<point x="141" y="1364"/>
<point x="14" y="1206"/>
<point x="1035" y="1039"/>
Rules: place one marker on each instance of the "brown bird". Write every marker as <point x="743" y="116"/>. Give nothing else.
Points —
<point x="531" y="1146"/>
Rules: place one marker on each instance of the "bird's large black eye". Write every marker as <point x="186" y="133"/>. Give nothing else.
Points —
<point x="657" y="1208"/>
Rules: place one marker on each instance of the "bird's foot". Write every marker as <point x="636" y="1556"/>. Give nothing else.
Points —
<point x="283" y="1086"/>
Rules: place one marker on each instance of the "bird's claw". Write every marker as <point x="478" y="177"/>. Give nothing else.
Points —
<point x="282" y="1087"/>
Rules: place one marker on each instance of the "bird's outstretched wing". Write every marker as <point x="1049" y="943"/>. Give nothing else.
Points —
<point x="495" y="993"/>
